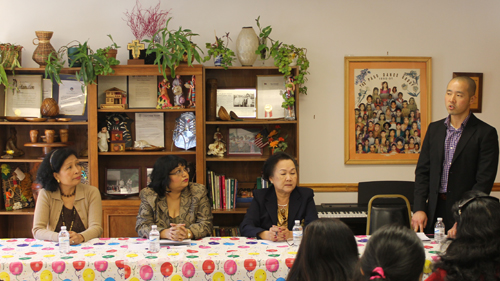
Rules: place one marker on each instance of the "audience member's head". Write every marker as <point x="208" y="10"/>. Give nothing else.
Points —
<point x="328" y="251"/>
<point x="475" y="252"/>
<point x="393" y="253"/>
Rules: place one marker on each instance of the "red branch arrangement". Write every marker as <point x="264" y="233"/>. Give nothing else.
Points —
<point x="144" y="22"/>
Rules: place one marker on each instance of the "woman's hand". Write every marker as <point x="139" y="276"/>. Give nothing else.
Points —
<point x="271" y="234"/>
<point x="176" y="232"/>
<point x="284" y="234"/>
<point x="75" y="238"/>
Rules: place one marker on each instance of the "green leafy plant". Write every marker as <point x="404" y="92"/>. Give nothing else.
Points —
<point x="218" y="49"/>
<point x="285" y="57"/>
<point x="55" y="62"/>
<point x="9" y="58"/>
<point x="174" y="47"/>
<point x="93" y="63"/>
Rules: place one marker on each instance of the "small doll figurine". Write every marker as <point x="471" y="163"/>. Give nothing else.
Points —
<point x="191" y="85"/>
<point x="218" y="147"/>
<point x="103" y="137"/>
<point x="163" y="99"/>
<point x="177" y="89"/>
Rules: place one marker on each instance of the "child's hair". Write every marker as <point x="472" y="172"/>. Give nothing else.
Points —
<point x="394" y="252"/>
<point x="328" y="251"/>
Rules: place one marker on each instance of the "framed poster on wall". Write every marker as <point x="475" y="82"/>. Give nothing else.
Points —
<point x="387" y="108"/>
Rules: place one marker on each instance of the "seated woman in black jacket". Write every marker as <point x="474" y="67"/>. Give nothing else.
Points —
<point x="273" y="210"/>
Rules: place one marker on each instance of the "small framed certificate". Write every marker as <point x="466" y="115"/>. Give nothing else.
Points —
<point x="270" y="89"/>
<point x="142" y="91"/>
<point x="24" y="98"/>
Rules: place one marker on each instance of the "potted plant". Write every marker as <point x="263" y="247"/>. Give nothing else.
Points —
<point x="222" y="54"/>
<point x="173" y="48"/>
<point x="93" y="63"/>
<point x="145" y="22"/>
<point x="285" y="57"/>
<point x="55" y="60"/>
<point x="10" y="57"/>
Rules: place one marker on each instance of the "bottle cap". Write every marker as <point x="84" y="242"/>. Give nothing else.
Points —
<point x="153" y="226"/>
<point x="440" y="219"/>
<point x="297" y="221"/>
<point x="63" y="227"/>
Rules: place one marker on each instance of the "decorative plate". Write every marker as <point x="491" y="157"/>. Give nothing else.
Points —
<point x="14" y="118"/>
<point x="63" y="119"/>
<point x="34" y="119"/>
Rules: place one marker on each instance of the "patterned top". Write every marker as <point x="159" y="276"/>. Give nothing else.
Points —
<point x="450" y="146"/>
<point x="194" y="211"/>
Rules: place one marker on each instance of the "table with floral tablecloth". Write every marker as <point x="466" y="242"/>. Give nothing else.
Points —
<point x="109" y="259"/>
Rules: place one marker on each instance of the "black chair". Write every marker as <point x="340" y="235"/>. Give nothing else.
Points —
<point x="380" y="215"/>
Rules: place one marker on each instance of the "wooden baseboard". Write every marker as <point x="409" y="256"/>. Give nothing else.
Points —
<point x="351" y="187"/>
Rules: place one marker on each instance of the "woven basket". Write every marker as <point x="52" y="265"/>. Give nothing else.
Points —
<point x="44" y="48"/>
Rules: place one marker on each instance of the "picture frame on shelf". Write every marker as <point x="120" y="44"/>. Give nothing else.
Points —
<point x="375" y="87"/>
<point x="241" y="141"/>
<point x="149" y="171"/>
<point x="24" y="98"/>
<point x="47" y="88"/>
<point x="241" y="101"/>
<point x="143" y="91"/>
<point x="477" y="105"/>
<point x="270" y="89"/>
<point x="122" y="181"/>
<point x="71" y="99"/>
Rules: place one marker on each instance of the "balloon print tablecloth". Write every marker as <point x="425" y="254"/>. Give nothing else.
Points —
<point x="109" y="259"/>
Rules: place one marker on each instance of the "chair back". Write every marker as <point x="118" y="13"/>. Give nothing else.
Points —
<point x="380" y="215"/>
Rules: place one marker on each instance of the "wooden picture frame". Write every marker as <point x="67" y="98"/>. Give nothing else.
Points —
<point x="122" y="181"/>
<point x="477" y="105"/>
<point x="373" y="80"/>
<point x="241" y="141"/>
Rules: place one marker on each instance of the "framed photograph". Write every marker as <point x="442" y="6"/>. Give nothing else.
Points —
<point x="270" y="89"/>
<point x="122" y="181"/>
<point x="71" y="99"/>
<point x="241" y="141"/>
<point x="477" y="105"/>
<point x="387" y="108"/>
<point x="241" y="101"/>
<point x="24" y="98"/>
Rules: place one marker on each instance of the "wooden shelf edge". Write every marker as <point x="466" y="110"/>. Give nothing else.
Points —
<point x="230" y="211"/>
<point x="21" y="212"/>
<point x="129" y="153"/>
<point x="71" y="123"/>
<point x="133" y="110"/>
<point x="250" y="122"/>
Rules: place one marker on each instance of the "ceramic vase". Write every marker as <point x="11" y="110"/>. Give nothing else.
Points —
<point x="44" y="48"/>
<point x="34" y="136"/>
<point x="63" y="134"/>
<point x="49" y="136"/>
<point x="246" y="45"/>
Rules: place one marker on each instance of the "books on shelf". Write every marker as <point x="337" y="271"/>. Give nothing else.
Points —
<point x="222" y="191"/>
<point x="262" y="183"/>
<point x="221" y="231"/>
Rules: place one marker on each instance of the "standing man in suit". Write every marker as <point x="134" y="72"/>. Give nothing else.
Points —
<point x="459" y="153"/>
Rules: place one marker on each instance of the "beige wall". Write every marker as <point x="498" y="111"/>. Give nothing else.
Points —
<point x="459" y="35"/>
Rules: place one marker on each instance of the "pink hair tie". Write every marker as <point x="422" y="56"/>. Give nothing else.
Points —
<point x="379" y="271"/>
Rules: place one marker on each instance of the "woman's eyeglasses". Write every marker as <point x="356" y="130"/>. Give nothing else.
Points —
<point x="180" y="172"/>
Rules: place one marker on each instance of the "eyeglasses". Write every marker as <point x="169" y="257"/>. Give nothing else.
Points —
<point x="180" y="172"/>
<point x="464" y="204"/>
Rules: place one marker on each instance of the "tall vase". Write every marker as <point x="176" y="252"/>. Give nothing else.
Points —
<point x="290" y="113"/>
<point x="246" y="45"/>
<point x="44" y="48"/>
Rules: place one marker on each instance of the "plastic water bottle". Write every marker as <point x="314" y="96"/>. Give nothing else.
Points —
<point x="297" y="233"/>
<point x="154" y="240"/>
<point x="63" y="240"/>
<point x="439" y="231"/>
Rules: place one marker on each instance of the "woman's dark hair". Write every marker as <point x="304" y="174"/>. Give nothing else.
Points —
<point x="397" y="251"/>
<point x="328" y="251"/>
<point x="160" y="177"/>
<point x="52" y="162"/>
<point x="270" y="164"/>
<point x="475" y="252"/>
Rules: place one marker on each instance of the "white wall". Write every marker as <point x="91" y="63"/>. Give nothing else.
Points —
<point x="459" y="35"/>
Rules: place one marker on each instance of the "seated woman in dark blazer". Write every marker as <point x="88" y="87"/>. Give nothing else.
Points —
<point x="179" y="208"/>
<point x="273" y="210"/>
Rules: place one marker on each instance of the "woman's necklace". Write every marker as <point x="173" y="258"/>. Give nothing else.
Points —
<point x="68" y="195"/>
<point x="72" y="220"/>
